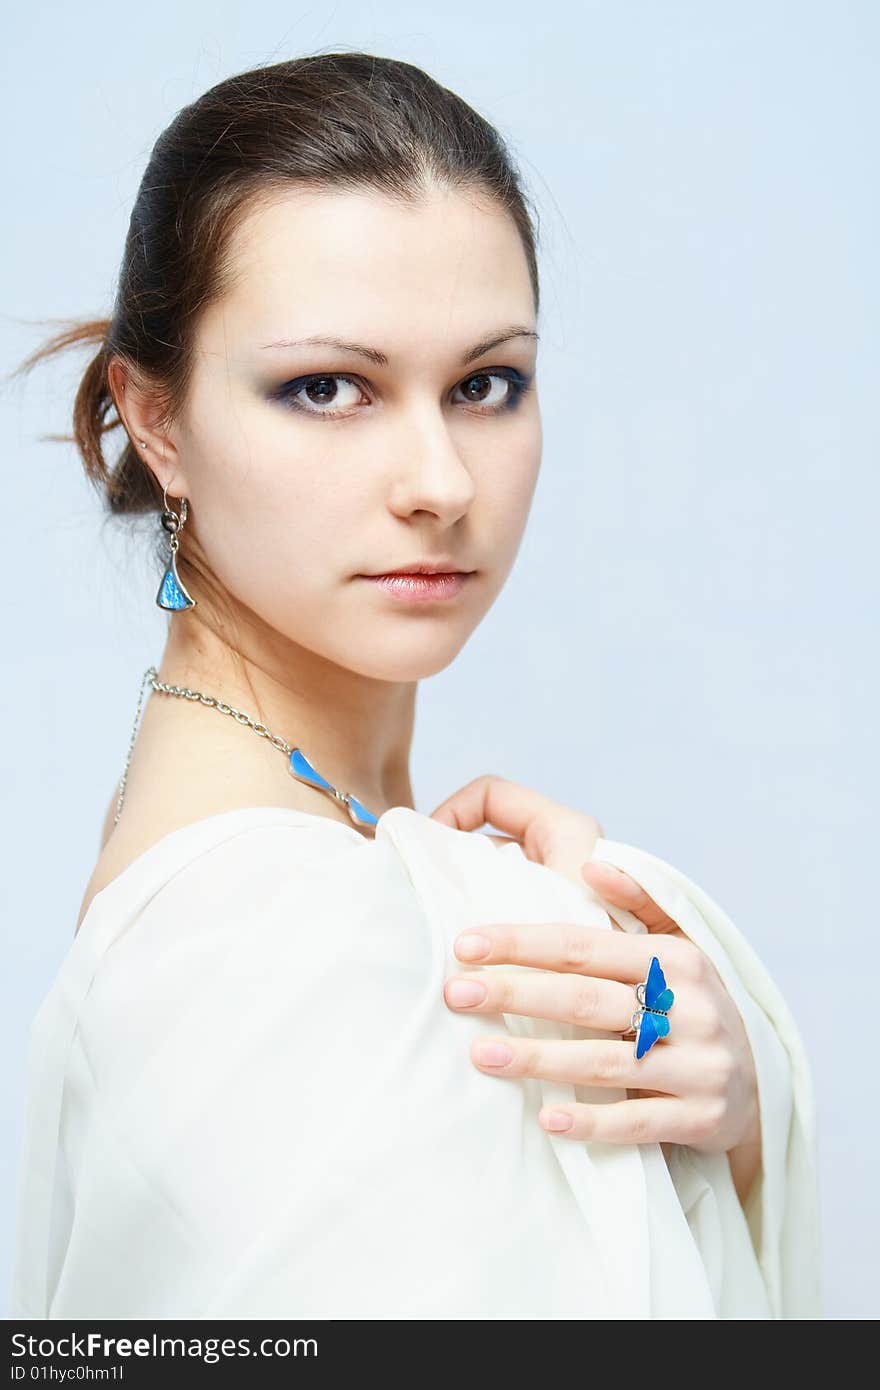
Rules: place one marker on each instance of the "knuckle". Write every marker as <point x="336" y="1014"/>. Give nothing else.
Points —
<point x="582" y="1116"/>
<point x="709" y="1119"/>
<point x="720" y="1071"/>
<point x="701" y="1128"/>
<point x="699" y="966"/>
<point x="500" y="993"/>
<point x="526" y="1060"/>
<point x="584" y="1003"/>
<point x="692" y="963"/>
<point x="608" y="1065"/>
<point x="573" y="949"/>
<point x="707" y="1023"/>
<point x="592" y="827"/>
<point x="642" y="1129"/>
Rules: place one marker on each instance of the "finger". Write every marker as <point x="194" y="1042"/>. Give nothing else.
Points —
<point x="605" y="1005"/>
<point x="573" y="947"/>
<point x="668" y="1067"/>
<point x="495" y="800"/>
<point x="640" y="1121"/>
<point x="616" y="886"/>
<point x="541" y="825"/>
<point x="579" y="999"/>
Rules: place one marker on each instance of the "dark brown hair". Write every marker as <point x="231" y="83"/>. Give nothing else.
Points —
<point x="336" y="120"/>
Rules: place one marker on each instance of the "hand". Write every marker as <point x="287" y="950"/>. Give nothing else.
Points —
<point x="552" y="834"/>
<point x="698" y="1086"/>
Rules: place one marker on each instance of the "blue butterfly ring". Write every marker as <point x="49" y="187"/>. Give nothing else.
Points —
<point x="650" y="1021"/>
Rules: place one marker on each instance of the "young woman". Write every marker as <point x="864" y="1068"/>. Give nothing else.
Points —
<point x="313" y="1053"/>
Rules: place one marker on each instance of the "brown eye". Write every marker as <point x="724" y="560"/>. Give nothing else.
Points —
<point x="321" y="391"/>
<point x="477" y="387"/>
<point x="479" y="390"/>
<point x="313" y="394"/>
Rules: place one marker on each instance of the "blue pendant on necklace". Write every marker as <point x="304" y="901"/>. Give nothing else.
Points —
<point x="302" y="769"/>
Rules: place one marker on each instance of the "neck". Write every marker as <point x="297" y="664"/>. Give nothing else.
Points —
<point x="356" y="731"/>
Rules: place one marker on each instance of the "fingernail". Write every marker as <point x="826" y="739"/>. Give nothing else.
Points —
<point x="494" y="1054"/>
<point x="557" y="1119"/>
<point x="465" y="992"/>
<point x="470" y="945"/>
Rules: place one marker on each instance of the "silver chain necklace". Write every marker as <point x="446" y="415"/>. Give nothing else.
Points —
<point x="298" y="764"/>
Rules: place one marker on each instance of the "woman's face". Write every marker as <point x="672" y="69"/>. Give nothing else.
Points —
<point x="309" y="465"/>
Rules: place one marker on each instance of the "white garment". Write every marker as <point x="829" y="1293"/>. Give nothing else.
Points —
<point x="248" y="1098"/>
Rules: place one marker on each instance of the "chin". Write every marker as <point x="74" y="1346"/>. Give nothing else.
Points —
<point x="420" y="660"/>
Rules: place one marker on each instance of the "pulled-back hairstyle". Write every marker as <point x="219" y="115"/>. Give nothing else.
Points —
<point x="339" y="121"/>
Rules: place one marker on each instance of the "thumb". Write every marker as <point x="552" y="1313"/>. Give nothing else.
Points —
<point x="618" y="888"/>
<point x="548" y="832"/>
<point x="519" y="811"/>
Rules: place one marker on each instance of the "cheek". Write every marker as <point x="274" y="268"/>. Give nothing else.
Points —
<point x="504" y="498"/>
<point x="273" y="546"/>
<point x="269" y="522"/>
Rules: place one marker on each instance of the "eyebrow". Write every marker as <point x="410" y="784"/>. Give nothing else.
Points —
<point x="380" y="359"/>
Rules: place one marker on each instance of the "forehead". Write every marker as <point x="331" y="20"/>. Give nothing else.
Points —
<point x="360" y="264"/>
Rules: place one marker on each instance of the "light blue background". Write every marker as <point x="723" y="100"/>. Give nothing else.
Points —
<point x="684" y="646"/>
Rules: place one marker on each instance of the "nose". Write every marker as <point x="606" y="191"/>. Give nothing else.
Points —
<point x="430" y="475"/>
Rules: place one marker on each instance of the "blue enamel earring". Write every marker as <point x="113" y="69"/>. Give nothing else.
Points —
<point x="173" y="594"/>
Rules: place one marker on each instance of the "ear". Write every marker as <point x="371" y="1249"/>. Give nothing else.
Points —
<point x="138" y="409"/>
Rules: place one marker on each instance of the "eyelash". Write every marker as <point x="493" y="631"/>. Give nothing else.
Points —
<point x="286" y="393"/>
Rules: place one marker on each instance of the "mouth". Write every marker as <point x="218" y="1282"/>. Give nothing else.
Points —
<point x="421" y="583"/>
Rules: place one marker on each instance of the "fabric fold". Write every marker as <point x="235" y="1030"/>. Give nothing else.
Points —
<point x="245" y="1069"/>
<point x="782" y="1211"/>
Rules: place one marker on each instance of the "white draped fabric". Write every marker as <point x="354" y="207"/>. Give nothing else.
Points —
<point x="247" y="1098"/>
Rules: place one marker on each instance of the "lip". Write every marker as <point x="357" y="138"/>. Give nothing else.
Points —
<point x="442" y="566"/>
<point x="419" y="585"/>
